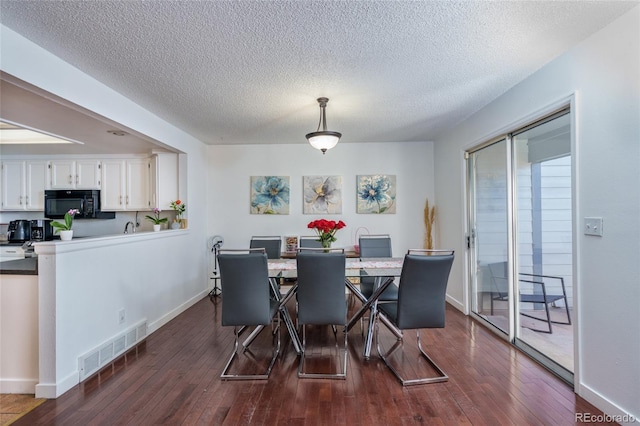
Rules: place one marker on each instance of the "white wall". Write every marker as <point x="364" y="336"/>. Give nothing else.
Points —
<point x="18" y="333"/>
<point x="152" y="279"/>
<point x="603" y="72"/>
<point x="232" y="166"/>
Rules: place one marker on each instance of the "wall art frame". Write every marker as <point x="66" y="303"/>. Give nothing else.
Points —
<point x="376" y="194"/>
<point x="270" y="194"/>
<point x="322" y="194"/>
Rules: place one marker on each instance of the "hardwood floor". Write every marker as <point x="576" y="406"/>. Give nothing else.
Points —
<point x="173" y="378"/>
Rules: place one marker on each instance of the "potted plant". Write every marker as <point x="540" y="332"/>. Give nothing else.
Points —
<point x="156" y="219"/>
<point x="179" y="208"/>
<point x="66" y="233"/>
<point x="326" y="230"/>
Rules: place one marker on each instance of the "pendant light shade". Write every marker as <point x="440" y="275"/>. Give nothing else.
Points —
<point x="323" y="139"/>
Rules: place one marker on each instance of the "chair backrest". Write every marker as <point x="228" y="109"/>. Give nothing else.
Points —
<point x="422" y="290"/>
<point x="321" y="287"/>
<point x="309" y="241"/>
<point x="272" y="245"/>
<point x="245" y="283"/>
<point x="375" y="245"/>
<point x="498" y="277"/>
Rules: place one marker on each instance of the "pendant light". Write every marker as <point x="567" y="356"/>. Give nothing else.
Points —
<point x="323" y="139"/>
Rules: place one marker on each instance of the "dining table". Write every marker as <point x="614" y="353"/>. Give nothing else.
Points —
<point x="292" y="254"/>
<point x="384" y="270"/>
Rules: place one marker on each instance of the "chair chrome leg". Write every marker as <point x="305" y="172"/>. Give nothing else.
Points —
<point x="442" y="377"/>
<point x="236" y="351"/>
<point x="342" y="375"/>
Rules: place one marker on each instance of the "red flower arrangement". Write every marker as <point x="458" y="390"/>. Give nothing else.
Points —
<point x="326" y="230"/>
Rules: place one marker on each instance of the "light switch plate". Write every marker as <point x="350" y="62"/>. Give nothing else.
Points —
<point x="593" y="226"/>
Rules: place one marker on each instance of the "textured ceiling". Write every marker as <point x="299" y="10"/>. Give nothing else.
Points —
<point x="250" y="71"/>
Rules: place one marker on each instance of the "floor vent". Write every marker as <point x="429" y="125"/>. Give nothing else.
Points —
<point x="97" y="358"/>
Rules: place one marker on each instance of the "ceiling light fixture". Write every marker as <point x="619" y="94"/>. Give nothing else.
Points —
<point x="323" y="139"/>
<point x="11" y="134"/>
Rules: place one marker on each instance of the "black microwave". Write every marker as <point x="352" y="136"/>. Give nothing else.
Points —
<point x="86" y="202"/>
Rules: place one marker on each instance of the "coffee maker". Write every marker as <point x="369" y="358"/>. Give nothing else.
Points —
<point x="41" y="230"/>
<point x="19" y="231"/>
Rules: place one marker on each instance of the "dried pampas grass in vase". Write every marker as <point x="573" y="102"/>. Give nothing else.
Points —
<point x="429" y="219"/>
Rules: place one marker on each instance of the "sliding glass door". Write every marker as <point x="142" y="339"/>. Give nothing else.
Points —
<point x="520" y="223"/>
<point x="488" y="224"/>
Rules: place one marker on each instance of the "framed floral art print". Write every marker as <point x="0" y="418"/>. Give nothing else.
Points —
<point x="322" y="194"/>
<point x="376" y="194"/>
<point x="270" y="194"/>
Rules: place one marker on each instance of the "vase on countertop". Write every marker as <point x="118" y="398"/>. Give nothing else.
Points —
<point x="175" y="225"/>
<point x="156" y="227"/>
<point x="66" y="235"/>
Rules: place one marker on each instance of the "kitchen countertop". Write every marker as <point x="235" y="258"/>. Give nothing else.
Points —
<point x="26" y="266"/>
<point x="29" y="265"/>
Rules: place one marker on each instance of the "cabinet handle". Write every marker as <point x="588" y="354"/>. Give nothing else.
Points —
<point x="127" y="200"/>
<point x="21" y="200"/>
<point x="70" y="178"/>
<point x="27" y="200"/>
<point x="121" y="200"/>
<point x="77" y="179"/>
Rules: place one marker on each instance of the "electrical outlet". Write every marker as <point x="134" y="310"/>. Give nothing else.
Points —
<point x="121" y="316"/>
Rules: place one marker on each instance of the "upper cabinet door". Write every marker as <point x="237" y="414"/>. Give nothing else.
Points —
<point x="164" y="180"/>
<point x="88" y="174"/>
<point x="63" y="174"/>
<point x="126" y="184"/>
<point x="13" y="185"/>
<point x="37" y="180"/>
<point x="112" y="196"/>
<point x="138" y="184"/>
<point x="76" y="174"/>
<point x="23" y="184"/>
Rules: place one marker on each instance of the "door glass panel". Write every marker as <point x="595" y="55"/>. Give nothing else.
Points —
<point x="542" y="163"/>
<point x="488" y="204"/>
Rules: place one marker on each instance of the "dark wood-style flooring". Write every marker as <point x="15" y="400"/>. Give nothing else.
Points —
<point x="173" y="378"/>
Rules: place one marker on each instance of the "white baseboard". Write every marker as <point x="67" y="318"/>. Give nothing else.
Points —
<point x="616" y="413"/>
<point x="175" y="312"/>
<point x="455" y="303"/>
<point x="18" y="385"/>
<point x="54" y="390"/>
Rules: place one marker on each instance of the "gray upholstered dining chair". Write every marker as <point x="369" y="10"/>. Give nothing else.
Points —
<point x="322" y="300"/>
<point x="309" y="241"/>
<point x="247" y="302"/>
<point x="372" y="246"/>
<point x="420" y="304"/>
<point x="271" y="244"/>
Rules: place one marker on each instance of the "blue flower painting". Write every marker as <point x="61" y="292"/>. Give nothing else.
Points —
<point x="270" y="194"/>
<point x="376" y="194"/>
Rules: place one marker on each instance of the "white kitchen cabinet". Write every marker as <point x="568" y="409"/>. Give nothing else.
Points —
<point x="164" y="179"/>
<point x="23" y="184"/>
<point x="126" y="184"/>
<point x="76" y="174"/>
